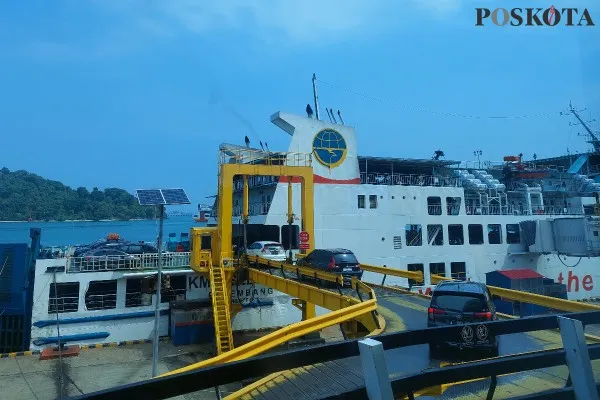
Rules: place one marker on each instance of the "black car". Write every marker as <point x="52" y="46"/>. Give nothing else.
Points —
<point x="337" y="261"/>
<point x="457" y="303"/>
<point x="124" y="246"/>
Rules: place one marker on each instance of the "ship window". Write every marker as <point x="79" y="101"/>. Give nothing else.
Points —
<point x="101" y="295"/>
<point x="414" y="267"/>
<point x="361" y="201"/>
<point x="475" y="234"/>
<point x="285" y="236"/>
<point x="434" y="205"/>
<point x="373" y="201"/>
<point x="64" y="297"/>
<point x="397" y="242"/>
<point x="435" y="235"/>
<point x="455" y="234"/>
<point x="437" y="268"/>
<point x="173" y="288"/>
<point x="512" y="234"/>
<point x="458" y="270"/>
<point x="414" y="236"/>
<point x="133" y="293"/>
<point x="494" y="234"/>
<point x="453" y="205"/>
<point x="595" y="233"/>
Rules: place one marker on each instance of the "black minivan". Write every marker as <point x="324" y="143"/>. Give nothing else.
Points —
<point x="458" y="303"/>
<point x="337" y="261"/>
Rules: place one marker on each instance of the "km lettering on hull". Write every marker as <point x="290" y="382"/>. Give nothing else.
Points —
<point x="198" y="282"/>
<point x="534" y="17"/>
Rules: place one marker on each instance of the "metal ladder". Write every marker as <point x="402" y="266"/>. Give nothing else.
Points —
<point x="220" y="304"/>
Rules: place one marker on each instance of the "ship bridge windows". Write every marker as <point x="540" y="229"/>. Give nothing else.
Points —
<point x="434" y="205"/>
<point x="64" y="297"/>
<point x="414" y="235"/>
<point x="495" y="234"/>
<point x="475" y="234"/>
<point x="435" y="235"/>
<point x="456" y="235"/>
<point x="438" y="268"/>
<point x="285" y="236"/>
<point x="458" y="270"/>
<point x="361" y="201"/>
<point x="414" y="268"/>
<point x="101" y="295"/>
<point x="513" y="235"/>
<point x="453" y="205"/>
<point x="373" y="201"/>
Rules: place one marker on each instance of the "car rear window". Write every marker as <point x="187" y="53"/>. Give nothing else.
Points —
<point x="347" y="258"/>
<point x="273" y="246"/>
<point x="459" y="302"/>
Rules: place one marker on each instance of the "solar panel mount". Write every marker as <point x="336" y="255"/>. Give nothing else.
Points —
<point x="155" y="197"/>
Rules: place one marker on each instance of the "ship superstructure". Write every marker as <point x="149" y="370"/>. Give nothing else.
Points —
<point x="438" y="216"/>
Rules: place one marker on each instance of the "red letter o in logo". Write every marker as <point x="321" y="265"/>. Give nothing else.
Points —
<point x="505" y="15"/>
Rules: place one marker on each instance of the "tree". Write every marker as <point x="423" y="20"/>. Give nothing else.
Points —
<point x="26" y="196"/>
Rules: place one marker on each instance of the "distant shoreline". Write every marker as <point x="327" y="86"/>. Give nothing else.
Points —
<point x="80" y="220"/>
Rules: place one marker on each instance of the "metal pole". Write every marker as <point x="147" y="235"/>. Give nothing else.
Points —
<point x="578" y="358"/>
<point x="315" y="95"/>
<point x="158" y="282"/>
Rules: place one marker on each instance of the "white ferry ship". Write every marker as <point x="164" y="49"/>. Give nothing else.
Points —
<point x="433" y="215"/>
<point x="104" y="299"/>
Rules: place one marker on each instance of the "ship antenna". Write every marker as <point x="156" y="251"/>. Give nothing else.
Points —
<point x="329" y="115"/>
<point x="593" y="139"/>
<point x="315" y="95"/>
<point x="333" y="116"/>
<point x="341" y="119"/>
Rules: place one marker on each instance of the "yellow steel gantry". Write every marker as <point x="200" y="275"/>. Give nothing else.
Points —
<point x="212" y="255"/>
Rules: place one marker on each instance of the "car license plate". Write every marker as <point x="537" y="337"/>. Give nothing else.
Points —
<point x="347" y="270"/>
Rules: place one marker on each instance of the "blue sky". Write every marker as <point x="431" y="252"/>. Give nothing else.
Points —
<point x="139" y="93"/>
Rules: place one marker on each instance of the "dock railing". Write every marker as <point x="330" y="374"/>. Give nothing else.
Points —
<point x="171" y="260"/>
<point x="431" y="380"/>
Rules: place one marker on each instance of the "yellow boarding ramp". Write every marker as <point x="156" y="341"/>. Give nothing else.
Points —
<point x="346" y="308"/>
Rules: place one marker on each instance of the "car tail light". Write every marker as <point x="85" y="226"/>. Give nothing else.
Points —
<point x="331" y="265"/>
<point x="435" y="311"/>
<point x="486" y="315"/>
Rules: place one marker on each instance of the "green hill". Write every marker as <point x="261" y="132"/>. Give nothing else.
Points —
<point x="25" y="196"/>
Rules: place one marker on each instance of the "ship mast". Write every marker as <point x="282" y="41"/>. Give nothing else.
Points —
<point x="593" y="139"/>
<point x="315" y="95"/>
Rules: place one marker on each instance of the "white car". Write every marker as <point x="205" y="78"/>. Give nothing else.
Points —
<point x="268" y="250"/>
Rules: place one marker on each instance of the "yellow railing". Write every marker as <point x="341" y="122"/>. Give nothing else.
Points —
<point x="299" y="270"/>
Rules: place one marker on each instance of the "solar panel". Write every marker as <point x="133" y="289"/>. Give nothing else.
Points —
<point x="150" y="197"/>
<point x="175" y="196"/>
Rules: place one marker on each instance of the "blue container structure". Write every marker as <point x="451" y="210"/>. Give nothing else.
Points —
<point x="525" y="280"/>
<point x="17" y="273"/>
<point x="191" y="323"/>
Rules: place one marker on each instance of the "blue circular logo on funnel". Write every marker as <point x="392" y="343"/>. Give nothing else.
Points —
<point x="329" y="148"/>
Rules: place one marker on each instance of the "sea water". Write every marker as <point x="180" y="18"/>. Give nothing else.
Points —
<point x="83" y="232"/>
<point x="69" y="233"/>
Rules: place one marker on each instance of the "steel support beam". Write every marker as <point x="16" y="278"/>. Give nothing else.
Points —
<point x="578" y="359"/>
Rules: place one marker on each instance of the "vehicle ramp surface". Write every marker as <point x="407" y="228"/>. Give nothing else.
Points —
<point x="409" y="312"/>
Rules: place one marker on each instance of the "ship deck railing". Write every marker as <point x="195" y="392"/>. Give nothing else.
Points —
<point x="247" y="155"/>
<point x="260" y="208"/>
<point x="407" y="180"/>
<point x="518" y="210"/>
<point x="170" y="260"/>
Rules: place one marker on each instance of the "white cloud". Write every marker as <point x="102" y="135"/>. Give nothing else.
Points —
<point x="288" y="22"/>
